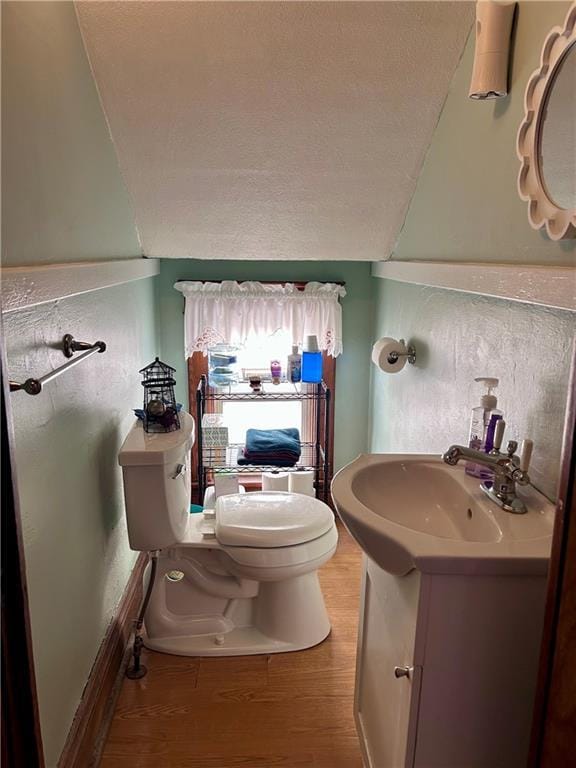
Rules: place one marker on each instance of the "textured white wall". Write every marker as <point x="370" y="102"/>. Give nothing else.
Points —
<point x="460" y="336"/>
<point x="69" y="482"/>
<point x="272" y="130"/>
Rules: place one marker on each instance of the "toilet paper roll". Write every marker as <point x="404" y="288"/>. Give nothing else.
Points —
<point x="302" y="482"/>
<point x="381" y="352"/>
<point x="274" y="481"/>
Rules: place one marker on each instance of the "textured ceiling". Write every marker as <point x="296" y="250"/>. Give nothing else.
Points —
<point x="272" y="130"/>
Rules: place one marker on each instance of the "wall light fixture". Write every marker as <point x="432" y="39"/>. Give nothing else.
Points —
<point x="493" y="34"/>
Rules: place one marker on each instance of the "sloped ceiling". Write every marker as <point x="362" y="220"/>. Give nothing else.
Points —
<point x="272" y="130"/>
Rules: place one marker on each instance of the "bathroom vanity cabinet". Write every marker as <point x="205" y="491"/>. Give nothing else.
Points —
<point x="446" y="668"/>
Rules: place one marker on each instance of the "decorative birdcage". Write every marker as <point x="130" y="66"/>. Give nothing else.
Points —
<point x="160" y="409"/>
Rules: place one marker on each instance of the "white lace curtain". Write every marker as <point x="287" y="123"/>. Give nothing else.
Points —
<point x="231" y="312"/>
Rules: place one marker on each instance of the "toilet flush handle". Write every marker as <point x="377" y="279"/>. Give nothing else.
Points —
<point x="180" y="469"/>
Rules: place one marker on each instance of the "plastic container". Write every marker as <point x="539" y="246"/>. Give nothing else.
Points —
<point x="276" y="371"/>
<point x="482" y="427"/>
<point x="223" y="368"/>
<point x="294" y="367"/>
<point x="311" y="361"/>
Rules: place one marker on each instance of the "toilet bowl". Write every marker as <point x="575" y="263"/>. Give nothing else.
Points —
<point x="241" y="578"/>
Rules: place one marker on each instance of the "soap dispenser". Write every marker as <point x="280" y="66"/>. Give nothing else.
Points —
<point x="482" y="427"/>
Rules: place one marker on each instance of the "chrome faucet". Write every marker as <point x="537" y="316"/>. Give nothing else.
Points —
<point x="509" y="469"/>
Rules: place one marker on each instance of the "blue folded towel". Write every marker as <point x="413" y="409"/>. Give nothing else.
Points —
<point x="267" y="442"/>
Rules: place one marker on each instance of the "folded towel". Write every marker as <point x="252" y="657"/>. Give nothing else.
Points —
<point x="272" y="441"/>
<point x="270" y="460"/>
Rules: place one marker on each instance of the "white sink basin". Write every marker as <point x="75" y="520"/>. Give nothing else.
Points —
<point x="415" y="511"/>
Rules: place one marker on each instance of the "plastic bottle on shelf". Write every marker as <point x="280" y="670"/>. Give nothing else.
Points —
<point x="276" y="371"/>
<point x="294" y="368"/>
<point x="311" y="361"/>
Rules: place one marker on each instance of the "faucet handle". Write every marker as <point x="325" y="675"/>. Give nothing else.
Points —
<point x="499" y="434"/>
<point x="526" y="454"/>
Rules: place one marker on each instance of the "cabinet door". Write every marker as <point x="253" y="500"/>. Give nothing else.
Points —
<point x="386" y="706"/>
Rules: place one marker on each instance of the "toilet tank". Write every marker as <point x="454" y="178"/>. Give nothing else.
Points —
<point x="156" y="474"/>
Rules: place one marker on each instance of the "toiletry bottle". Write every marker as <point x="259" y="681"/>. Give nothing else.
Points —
<point x="482" y="428"/>
<point x="311" y="361"/>
<point x="294" y="370"/>
<point x="276" y="371"/>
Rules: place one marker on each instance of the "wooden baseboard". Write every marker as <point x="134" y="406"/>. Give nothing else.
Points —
<point x="92" y="713"/>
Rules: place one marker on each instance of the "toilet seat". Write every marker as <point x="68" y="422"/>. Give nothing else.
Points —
<point x="253" y="530"/>
<point x="282" y="557"/>
<point x="270" y="520"/>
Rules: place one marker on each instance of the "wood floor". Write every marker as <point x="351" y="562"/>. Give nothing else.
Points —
<point x="288" y="710"/>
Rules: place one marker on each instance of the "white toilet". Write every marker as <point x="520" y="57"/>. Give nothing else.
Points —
<point x="239" y="579"/>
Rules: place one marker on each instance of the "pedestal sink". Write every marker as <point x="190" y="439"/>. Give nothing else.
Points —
<point x="413" y="511"/>
<point x="451" y="615"/>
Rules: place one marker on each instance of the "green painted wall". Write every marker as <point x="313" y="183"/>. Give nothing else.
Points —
<point x="63" y="199"/>
<point x="352" y="376"/>
<point x="466" y="207"/>
<point x="69" y="482"/>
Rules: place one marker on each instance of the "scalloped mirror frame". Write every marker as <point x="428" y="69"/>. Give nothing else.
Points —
<point x="542" y="211"/>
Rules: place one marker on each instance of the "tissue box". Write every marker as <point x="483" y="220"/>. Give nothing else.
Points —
<point x="214" y="439"/>
<point x="214" y="433"/>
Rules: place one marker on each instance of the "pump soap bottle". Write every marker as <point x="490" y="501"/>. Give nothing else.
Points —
<point x="482" y="428"/>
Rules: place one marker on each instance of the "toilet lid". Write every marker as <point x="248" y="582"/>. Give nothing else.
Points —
<point x="270" y="519"/>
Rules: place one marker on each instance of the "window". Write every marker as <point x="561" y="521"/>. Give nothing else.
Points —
<point x="265" y="320"/>
<point x="257" y="355"/>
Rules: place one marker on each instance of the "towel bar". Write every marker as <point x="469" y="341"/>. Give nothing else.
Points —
<point x="69" y="346"/>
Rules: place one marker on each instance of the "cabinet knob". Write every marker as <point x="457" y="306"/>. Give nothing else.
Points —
<point x="402" y="671"/>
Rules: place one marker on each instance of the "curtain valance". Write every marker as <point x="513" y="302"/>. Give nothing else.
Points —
<point x="232" y="312"/>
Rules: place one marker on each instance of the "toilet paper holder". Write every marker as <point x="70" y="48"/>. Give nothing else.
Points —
<point x="390" y="355"/>
<point x="410" y="354"/>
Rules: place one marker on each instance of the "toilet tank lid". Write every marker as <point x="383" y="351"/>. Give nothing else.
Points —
<point x="142" y="448"/>
<point x="269" y="519"/>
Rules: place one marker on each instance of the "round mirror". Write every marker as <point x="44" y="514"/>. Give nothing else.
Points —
<point x="557" y="134"/>
<point x="546" y="143"/>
